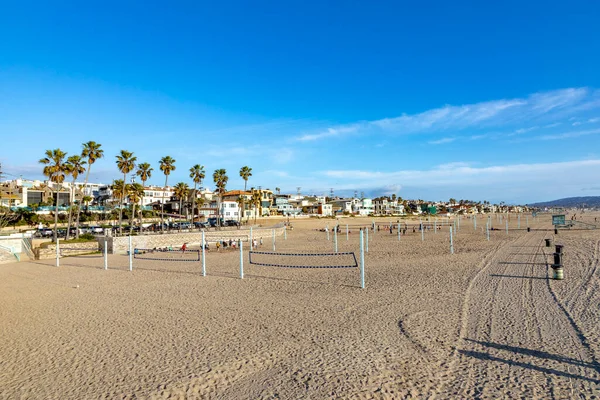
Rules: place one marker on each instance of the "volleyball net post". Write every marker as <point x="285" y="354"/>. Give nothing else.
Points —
<point x="105" y="254"/>
<point x="362" y="261"/>
<point x="241" y="259"/>
<point x="57" y="252"/>
<point x="130" y="255"/>
<point x="335" y="246"/>
<point x="203" y="254"/>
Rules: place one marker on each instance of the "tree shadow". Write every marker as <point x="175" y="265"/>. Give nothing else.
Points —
<point x="517" y="276"/>
<point x="538" y="354"/>
<point x="486" y="357"/>
<point x="521" y="263"/>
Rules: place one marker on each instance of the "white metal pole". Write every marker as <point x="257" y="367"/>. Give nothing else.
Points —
<point x="285" y="233"/>
<point x="422" y="233"/>
<point x="241" y="260"/>
<point x="335" y="239"/>
<point x="130" y="255"/>
<point x="327" y="230"/>
<point x="203" y="256"/>
<point x="398" y="232"/>
<point x="519" y="221"/>
<point x="367" y="244"/>
<point x="105" y="254"/>
<point x="451" y="242"/>
<point x="251" y="240"/>
<point x="57" y="252"/>
<point x="273" y="239"/>
<point x="346" y="232"/>
<point x="435" y="225"/>
<point x="507" y="227"/>
<point x="475" y="222"/>
<point x="362" y="262"/>
<point x="487" y="227"/>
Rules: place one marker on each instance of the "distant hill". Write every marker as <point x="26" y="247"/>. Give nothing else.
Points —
<point x="588" y="201"/>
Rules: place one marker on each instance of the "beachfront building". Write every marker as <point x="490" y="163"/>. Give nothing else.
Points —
<point x="284" y="207"/>
<point x="385" y="206"/>
<point x="324" y="209"/>
<point x="342" y="206"/>
<point x="362" y="207"/>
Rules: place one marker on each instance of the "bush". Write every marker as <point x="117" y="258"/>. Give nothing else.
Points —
<point x="87" y="236"/>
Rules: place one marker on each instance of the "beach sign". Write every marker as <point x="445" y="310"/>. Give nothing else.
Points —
<point x="558" y="219"/>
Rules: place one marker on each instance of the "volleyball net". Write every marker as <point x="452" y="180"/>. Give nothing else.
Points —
<point x="166" y="255"/>
<point x="303" y="260"/>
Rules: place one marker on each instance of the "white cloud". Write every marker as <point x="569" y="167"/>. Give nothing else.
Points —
<point x="282" y="156"/>
<point x="462" y="174"/>
<point x="442" y="141"/>
<point x="544" y="107"/>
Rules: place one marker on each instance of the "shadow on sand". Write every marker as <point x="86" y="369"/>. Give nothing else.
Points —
<point x="533" y="353"/>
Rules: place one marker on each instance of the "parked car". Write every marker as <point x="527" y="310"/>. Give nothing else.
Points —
<point x="96" y="229"/>
<point x="231" y="222"/>
<point x="213" y="221"/>
<point x="44" y="233"/>
<point x="199" y="224"/>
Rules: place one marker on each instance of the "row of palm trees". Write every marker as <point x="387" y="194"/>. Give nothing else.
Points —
<point x="56" y="168"/>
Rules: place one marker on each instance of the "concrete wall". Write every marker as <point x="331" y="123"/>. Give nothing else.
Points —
<point x="68" y="249"/>
<point x="120" y="245"/>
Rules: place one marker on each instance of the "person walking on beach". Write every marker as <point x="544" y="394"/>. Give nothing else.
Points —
<point x="261" y="242"/>
<point x="218" y="244"/>
<point x="184" y="248"/>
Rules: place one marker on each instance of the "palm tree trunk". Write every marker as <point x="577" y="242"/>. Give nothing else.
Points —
<point x="142" y="206"/>
<point x="132" y="217"/>
<point x="71" y="209"/>
<point x="194" y="205"/>
<point x="87" y="175"/>
<point x="162" y="206"/>
<point x="121" y="206"/>
<point x="56" y="216"/>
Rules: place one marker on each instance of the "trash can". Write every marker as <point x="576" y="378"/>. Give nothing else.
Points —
<point x="547" y="242"/>
<point x="555" y="231"/>
<point x="559" y="249"/>
<point x="528" y="229"/>
<point x="558" y="273"/>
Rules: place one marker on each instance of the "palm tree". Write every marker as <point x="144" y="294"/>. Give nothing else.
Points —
<point x="278" y="190"/>
<point x="119" y="189"/>
<point x="197" y="174"/>
<point x="75" y="166"/>
<point x="126" y="164"/>
<point x="167" y="165"/>
<point x="241" y="200"/>
<point x="144" y="171"/>
<point x="86" y="200"/>
<point x="245" y="173"/>
<point x="55" y="169"/>
<point x="135" y="193"/>
<point x="91" y="151"/>
<point x="256" y="200"/>
<point x="220" y="178"/>
<point x="181" y="190"/>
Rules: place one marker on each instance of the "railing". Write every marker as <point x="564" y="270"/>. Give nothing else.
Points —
<point x="26" y="247"/>
<point x="11" y="250"/>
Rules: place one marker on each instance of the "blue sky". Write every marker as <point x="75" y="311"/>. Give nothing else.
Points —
<point x="482" y="101"/>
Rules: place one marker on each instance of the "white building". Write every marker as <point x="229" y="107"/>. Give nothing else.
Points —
<point x="362" y="207"/>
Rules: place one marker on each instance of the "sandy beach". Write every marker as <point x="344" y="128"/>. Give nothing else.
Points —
<point x="485" y="322"/>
